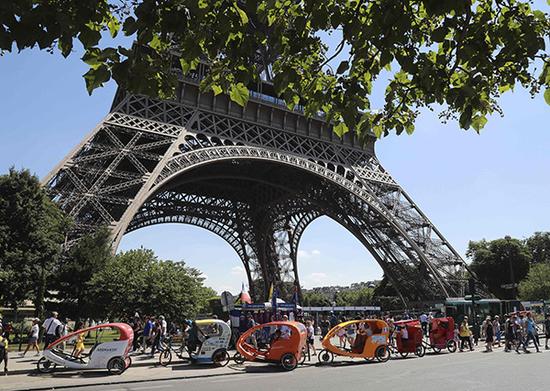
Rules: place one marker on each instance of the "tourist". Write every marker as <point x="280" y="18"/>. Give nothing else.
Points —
<point x="547" y="330"/>
<point x="520" y="333"/>
<point x="488" y="332"/>
<point x="32" y="341"/>
<point x="465" y="333"/>
<point x="137" y="327"/>
<point x="531" y="331"/>
<point x="163" y="329"/>
<point x="146" y="333"/>
<point x="79" y="347"/>
<point x="497" y="331"/>
<point x="325" y="326"/>
<point x="424" y="323"/>
<point x="350" y="334"/>
<point x="341" y="334"/>
<point x="4" y="350"/>
<point x="509" y="336"/>
<point x="310" y="336"/>
<point x="51" y="329"/>
<point x="155" y="337"/>
<point x="333" y="319"/>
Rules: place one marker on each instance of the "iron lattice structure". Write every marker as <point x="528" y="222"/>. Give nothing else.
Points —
<point x="255" y="176"/>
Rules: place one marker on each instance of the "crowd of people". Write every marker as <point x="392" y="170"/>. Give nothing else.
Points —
<point x="516" y="333"/>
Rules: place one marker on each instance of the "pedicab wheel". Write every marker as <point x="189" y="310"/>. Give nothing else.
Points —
<point x="45" y="366"/>
<point x="128" y="362"/>
<point x="436" y="349"/>
<point x="382" y="353"/>
<point x="404" y="354"/>
<point x="289" y="362"/>
<point x="116" y="366"/>
<point x="451" y="346"/>
<point x="221" y="358"/>
<point x="325" y="357"/>
<point x="420" y="351"/>
<point x="165" y="357"/>
<point x="238" y="358"/>
<point x="303" y="357"/>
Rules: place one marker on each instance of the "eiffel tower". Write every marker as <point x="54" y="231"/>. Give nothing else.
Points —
<point x="256" y="176"/>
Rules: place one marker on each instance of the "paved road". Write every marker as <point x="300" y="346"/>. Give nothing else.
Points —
<point x="446" y="372"/>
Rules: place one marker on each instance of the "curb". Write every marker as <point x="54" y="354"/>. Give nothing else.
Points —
<point x="34" y="369"/>
<point x="129" y="382"/>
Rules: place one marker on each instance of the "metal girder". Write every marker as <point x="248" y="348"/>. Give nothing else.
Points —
<point x="256" y="178"/>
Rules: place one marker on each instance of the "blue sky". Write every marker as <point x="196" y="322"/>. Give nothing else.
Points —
<point x="471" y="186"/>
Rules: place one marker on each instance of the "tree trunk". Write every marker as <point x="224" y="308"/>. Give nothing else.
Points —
<point x="39" y="309"/>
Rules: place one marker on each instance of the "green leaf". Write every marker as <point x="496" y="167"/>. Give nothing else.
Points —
<point x="89" y="37"/>
<point x="340" y="129"/>
<point x="465" y="119"/>
<point x="239" y="94"/>
<point x="242" y="14"/>
<point x="217" y="89"/>
<point x="95" y="78"/>
<point x="479" y="122"/>
<point x="547" y="93"/>
<point x="114" y="26"/>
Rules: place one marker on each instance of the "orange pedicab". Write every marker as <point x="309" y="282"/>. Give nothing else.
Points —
<point x="370" y="341"/>
<point x="287" y="341"/>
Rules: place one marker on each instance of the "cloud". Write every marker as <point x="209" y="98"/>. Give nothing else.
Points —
<point x="305" y="254"/>
<point x="317" y="277"/>
<point x="238" y="271"/>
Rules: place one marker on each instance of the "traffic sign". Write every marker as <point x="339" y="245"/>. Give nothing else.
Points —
<point x="227" y="300"/>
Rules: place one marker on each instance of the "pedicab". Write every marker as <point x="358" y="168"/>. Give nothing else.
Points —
<point x="413" y="342"/>
<point x="285" y="346"/>
<point x="108" y="352"/>
<point x="370" y="342"/>
<point x="213" y="338"/>
<point x="442" y="335"/>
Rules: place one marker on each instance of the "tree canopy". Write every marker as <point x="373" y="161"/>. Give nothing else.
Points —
<point x="499" y="262"/>
<point x="74" y="272"/>
<point x="538" y="245"/>
<point x="457" y="55"/>
<point x="536" y="285"/>
<point x="32" y="232"/>
<point x="137" y="280"/>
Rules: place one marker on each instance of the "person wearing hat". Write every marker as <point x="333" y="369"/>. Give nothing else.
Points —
<point x="51" y="326"/>
<point x="32" y="341"/>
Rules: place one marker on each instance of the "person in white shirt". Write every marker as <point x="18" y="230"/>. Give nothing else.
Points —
<point x="50" y="326"/>
<point x="424" y="323"/>
<point x="33" y="338"/>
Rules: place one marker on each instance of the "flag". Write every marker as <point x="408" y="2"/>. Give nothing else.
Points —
<point x="270" y="294"/>
<point x="274" y="296"/>
<point x="295" y="298"/>
<point x="244" y="297"/>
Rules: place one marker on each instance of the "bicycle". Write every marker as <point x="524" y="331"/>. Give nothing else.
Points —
<point x="168" y="349"/>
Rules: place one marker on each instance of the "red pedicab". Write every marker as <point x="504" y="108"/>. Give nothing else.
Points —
<point x="442" y="335"/>
<point x="413" y="342"/>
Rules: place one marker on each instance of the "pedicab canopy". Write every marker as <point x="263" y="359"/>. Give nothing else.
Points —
<point x="285" y="337"/>
<point x="125" y="332"/>
<point x="370" y="334"/>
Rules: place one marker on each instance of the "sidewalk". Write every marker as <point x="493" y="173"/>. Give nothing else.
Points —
<point x="24" y="376"/>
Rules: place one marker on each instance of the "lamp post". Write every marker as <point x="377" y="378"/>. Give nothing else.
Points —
<point x="511" y="266"/>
